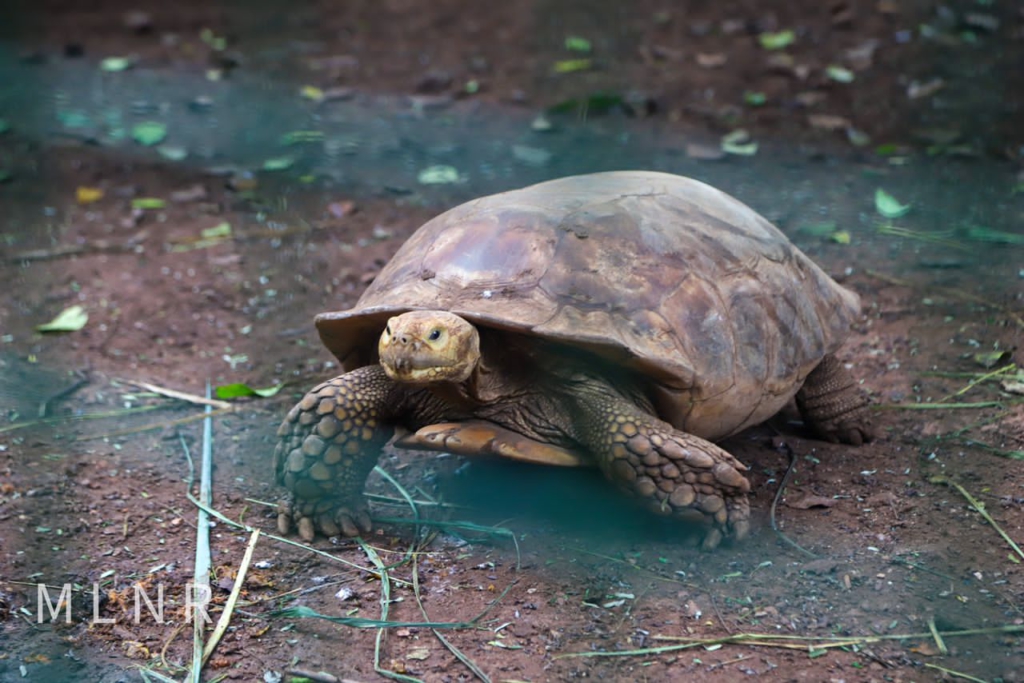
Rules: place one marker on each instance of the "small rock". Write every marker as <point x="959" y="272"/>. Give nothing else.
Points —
<point x="138" y="21"/>
<point x="434" y="81"/>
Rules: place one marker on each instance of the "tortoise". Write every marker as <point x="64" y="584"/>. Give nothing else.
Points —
<point x="625" y="320"/>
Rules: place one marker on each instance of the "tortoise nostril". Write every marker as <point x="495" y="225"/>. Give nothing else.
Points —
<point x="404" y="339"/>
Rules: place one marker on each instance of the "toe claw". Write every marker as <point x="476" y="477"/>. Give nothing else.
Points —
<point x="284" y="523"/>
<point x="712" y="539"/>
<point x="307" y="532"/>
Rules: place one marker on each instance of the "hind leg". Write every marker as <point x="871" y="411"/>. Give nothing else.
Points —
<point x="833" y="405"/>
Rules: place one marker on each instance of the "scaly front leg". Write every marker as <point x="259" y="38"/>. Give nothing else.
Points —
<point x="676" y="473"/>
<point x="328" y="445"/>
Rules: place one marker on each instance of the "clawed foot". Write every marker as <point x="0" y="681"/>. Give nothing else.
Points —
<point x="855" y="432"/>
<point x="327" y="517"/>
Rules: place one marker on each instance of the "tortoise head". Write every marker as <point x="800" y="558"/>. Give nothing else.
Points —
<point x="429" y="346"/>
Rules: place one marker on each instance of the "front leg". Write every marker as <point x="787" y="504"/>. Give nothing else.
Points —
<point x="674" y="472"/>
<point x="328" y="445"/>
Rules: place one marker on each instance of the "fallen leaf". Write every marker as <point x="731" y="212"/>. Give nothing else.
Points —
<point x="711" y="60"/>
<point x="311" y="92"/>
<point x="278" y="164"/>
<point x="149" y="133"/>
<point x="220" y="230"/>
<point x="418" y="653"/>
<point x="148" y="203"/>
<point x="828" y="121"/>
<point x="88" y="195"/>
<point x="808" y="502"/>
<point x="239" y="390"/>
<point x="982" y="234"/>
<point x="754" y="99"/>
<point x="887" y="205"/>
<point x="577" y="44"/>
<point x="439" y="175"/>
<point x="839" y="74"/>
<point x="738" y="142"/>
<point x="70" y="319"/>
<point x="916" y="90"/>
<point x="778" y="40"/>
<point x="990" y="359"/>
<point x="566" y="66"/>
<point x="114" y="64"/>
<point x="172" y="152"/>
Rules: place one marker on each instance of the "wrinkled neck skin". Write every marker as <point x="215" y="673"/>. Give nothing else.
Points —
<point x="500" y="374"/>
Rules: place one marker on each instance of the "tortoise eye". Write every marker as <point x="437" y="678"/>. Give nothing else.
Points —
<point x="387" y="330"/>
<point x="435" y="334"/>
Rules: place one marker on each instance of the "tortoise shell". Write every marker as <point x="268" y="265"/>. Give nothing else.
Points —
<point x="662" y="274"/>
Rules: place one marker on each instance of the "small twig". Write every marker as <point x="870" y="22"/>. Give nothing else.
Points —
<point x="318" y="676"/>
<point x="45" y="403"/>
<point x="937" y="637"/>
<point x="180" y="395"/>
<point x="957" y="674"/>
<point x="988" y="518"/>
<point x="775" y="504"/>
<point x="229" y="606"/>
<point x="462" y="657"/>
<point x="978" y="380"/>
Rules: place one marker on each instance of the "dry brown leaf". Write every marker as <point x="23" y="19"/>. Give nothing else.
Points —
<point x="828" y="122"/>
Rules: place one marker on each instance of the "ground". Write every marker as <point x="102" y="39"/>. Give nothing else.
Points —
<point x="306" y="139"/>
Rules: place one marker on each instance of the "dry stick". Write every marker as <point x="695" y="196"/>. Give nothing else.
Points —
<point x="202" y="567"/>
<point x="462" y="657"/>
<point x="978" y="380"/>
<point x="385" y="603"/>
<point x="937" y="637"/>
<point x="775" y="504"/>
<point x="955" y="674"/>
<point x="180" y="395"/>
<point x="785" y="641"/>
<point x="988" y="518"/>
<point x="66" y="391"/>
<point x="229" y="606"/>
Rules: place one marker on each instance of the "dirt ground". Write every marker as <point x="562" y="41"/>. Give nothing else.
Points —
<point x="902" y="551"/>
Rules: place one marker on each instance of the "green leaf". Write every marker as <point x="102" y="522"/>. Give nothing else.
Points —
<point x="172" y="152"/>
<point x="566" y="66"/>
<point x="4" y="126"/>
<point x="826" y="229"/>
<point x="983" y="234"/>
<point x="439" y="175"/>
<point x="219" y="230"/>
<point x="114" y="64"/>
<point x="777" y="41"/>
<point x="887" y="205"/>
<point x="149" y="133"/>
<point x="229" y="391"/>
<point x="754" y="99"/>
<point x="278" y="164"/>
<point x="148" y="203"/>
<point x="738" y="142"/>
<point x="70" y="319"/>
<point x="577" y="44"/>
<point x="839" y="74"/>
